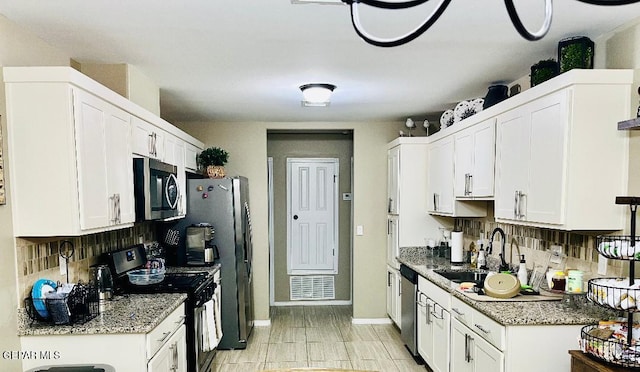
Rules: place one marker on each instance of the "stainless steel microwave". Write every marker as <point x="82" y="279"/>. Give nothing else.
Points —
<point x="157" y="192"/>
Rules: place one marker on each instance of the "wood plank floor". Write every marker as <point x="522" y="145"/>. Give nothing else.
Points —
<point x="319" y="337"/>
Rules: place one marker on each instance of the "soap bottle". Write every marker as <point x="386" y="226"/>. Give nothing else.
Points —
<point x="522" y="271"/>
<point x="482" y="261"/>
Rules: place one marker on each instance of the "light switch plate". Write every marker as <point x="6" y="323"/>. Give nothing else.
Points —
<point x="602" y="265"/>
<point x="359" y="230"/>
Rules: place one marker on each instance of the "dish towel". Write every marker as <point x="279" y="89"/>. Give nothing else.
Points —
<point x="218" y="314"/>
<point x="209" y="326"/>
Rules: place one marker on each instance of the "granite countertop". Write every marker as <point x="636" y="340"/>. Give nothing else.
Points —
<point x="508" y="313"/>
<point x="135" y="313"/>
<point x="131" y="313"/>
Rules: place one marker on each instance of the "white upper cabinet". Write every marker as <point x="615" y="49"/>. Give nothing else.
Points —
<point x="475" y="160"/>
<point x="148" y="140"/>
<point x="440" y="197"/>
<point x="440" y="190"/>
<point x="105" y="165"/>
<point x="560" y="160"/>
<point x="72" y="142"/>
<point x="190" y="159"/>
<point x="71" y="165"/>
<point x="393" y="178"/>
<point x="407" y="196"/>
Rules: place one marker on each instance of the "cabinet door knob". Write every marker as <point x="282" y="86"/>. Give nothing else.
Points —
<point x="295" y="216"/>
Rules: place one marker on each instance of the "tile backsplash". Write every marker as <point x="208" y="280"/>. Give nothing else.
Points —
<point x="40" y="257"/>
<point x="534" y="243"/>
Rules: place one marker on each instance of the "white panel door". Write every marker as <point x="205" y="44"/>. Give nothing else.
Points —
<point x="484" y="149"/>
<point x="120" y="164"/>
<point x="461" y="359"/>
<point x="544" y="199"/>
<point x="90" y="126"/>
<point x="512" y="162"/>
<point x="464" y="151"/>
<point x="393" y="250"/>
<point x="312" y="216"/>
<point x="393" y="179"/>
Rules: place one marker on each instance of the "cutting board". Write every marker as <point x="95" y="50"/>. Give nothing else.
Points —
<point x="519" y="298"/>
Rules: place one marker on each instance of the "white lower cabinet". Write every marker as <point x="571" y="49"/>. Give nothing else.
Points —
<point x="433" y="324"/>
<point x="393" y="295"/>
<point x="470" y="352"/>
<point x="162" y="349"/>
<point x="454" y="336"/>
<point x="172" y="356"/>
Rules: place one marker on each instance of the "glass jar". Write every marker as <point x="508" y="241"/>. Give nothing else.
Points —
<point x="559" y="281"/>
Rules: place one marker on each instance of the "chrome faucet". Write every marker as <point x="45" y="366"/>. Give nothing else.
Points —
<point x="503" y="238"/>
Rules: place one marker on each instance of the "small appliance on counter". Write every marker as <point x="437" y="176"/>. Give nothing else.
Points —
<point x="199" y="246"/>
<point x="104" y="281"/>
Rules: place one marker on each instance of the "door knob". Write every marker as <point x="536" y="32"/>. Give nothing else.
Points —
<point x="295" y="216"/>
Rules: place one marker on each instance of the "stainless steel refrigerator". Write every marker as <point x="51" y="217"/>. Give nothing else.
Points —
<point x="224" y="203"/>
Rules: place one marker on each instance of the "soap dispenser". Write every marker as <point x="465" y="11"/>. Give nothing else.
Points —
<point x="522" y="271"/>
<point x="482" y="259"/>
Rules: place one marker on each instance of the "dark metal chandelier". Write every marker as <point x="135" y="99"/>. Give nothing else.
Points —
<point x="441" y="7"/>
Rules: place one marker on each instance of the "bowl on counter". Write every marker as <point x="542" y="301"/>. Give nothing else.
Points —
<point x="146" y="276"/>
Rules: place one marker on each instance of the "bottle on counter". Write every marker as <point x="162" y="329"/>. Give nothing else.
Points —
<point x="473" y="256"/>
<point x="482" y="260"/>
<point x="522" y="271"/>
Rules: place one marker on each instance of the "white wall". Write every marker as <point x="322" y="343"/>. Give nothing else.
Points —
<point x="17" y="48"/>
<point x="247" y="146"/>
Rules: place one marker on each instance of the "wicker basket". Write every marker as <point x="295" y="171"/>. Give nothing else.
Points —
<point x="215" y="171"/>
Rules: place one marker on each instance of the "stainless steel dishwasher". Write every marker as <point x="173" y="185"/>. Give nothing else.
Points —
<point x="408" y="327"/>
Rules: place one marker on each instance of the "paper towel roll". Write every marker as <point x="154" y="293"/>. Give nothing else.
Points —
<point x="456" y="247"/>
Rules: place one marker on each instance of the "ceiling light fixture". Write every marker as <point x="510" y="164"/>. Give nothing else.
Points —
<point x="440" y="8"/>
<point x="316" y="94"/>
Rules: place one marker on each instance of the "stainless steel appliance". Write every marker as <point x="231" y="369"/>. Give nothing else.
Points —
<point x="200" y="249"/>
<point x="408" y="325"/>
<point x="104" y="282"/>
<point x="157" y="193"/>
<point x="200" y="287"/>
<point x="224" y="203"/>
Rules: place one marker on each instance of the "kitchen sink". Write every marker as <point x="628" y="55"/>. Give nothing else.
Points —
<point x="459" y="276"/>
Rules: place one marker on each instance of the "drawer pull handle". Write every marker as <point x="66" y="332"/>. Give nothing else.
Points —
<point x="481" y="328"/>
<point x="164" y="336"/>
<point x="458" y="312"/>
<point x="181" y="319"/>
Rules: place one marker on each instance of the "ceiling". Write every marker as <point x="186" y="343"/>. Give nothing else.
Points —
<point x="243" y="60"/>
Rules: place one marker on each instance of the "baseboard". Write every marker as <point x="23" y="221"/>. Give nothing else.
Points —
<point x="262" y="323"/>
<point x="313" y="303"/>
<point x="371" y="321"/>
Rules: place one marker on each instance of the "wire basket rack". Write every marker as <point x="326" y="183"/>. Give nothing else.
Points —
<point x="618" y="351"/>
<point x="615" y="293"/>
<point x="619" y="247"/>
<point x="76" y="307"/>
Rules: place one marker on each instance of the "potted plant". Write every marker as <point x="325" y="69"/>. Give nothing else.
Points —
<point x="543" y="71"/>
<point x="212" y="160"/>
<point x="575" y="52"/>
